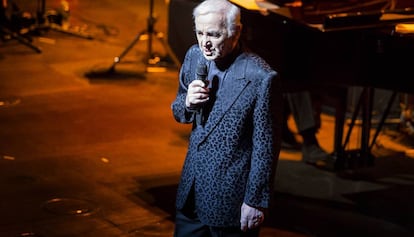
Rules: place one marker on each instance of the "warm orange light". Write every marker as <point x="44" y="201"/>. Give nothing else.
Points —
<point x="156" y="69"/>
<point x="248" y="4"/>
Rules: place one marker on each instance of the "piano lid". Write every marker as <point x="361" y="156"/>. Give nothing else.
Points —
<point x="331" y="14"/>
<point x="256" y="5"/>
<point x="325" y="7"/>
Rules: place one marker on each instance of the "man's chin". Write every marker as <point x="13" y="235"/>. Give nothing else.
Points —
<point x="210" y="56"/>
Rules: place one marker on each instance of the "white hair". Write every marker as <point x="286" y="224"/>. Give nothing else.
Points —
<point x="223" y="7"/>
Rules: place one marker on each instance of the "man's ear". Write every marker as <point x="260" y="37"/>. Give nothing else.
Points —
<point x="238" y="31"/>
<point x="239" y="28"/>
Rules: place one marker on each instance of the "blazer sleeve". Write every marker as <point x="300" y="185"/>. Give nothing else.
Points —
<point x="187" y="74"/>
<point x="266" y="141"/>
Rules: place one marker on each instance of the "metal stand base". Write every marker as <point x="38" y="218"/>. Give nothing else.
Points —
<point x="152" y="59"/>
<point x="57" y="28"/>
<point x="21" y="39"/>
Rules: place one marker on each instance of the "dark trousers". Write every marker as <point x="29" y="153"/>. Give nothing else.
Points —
<point x="187" y="224"/>
<point x="190" y="226"/>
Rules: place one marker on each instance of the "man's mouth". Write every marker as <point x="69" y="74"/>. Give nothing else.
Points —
<point x="208" y="52"/>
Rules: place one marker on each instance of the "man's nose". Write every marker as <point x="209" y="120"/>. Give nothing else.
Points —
<point x="208" y="44"/>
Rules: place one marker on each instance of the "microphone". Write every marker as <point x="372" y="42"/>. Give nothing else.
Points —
<point x="201" y="74"/>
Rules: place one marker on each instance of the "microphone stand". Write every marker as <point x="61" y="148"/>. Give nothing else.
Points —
<point x="148" y="34"/>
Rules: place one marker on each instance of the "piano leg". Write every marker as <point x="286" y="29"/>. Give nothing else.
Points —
<point x="366" y="158"/>
<point x="339" y="151"/>
<point x="350" y="159"/>
<point x="362" y="157"/>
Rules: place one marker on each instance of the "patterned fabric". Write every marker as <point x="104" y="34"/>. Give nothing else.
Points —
<point x="232" y="158"/>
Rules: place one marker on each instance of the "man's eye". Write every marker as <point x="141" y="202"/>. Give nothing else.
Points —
<point x="209" y="34"/>
<point x="214" y="35"/>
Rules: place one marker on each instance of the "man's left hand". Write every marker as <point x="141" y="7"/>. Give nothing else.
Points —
<point x="250" y="217"/>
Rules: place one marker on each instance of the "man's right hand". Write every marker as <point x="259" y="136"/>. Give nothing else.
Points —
<point x="197" y="94"/>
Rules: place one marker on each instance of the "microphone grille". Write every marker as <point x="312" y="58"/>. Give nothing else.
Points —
<point x="201" y="70"/>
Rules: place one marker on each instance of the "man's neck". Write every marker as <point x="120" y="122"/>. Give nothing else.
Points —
<point x="225" y="62"/>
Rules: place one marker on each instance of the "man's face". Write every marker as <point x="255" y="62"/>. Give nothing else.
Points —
<point x="212" y="36"/>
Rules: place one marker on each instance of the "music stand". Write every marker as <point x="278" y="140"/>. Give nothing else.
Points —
<point x="148" y="34"/>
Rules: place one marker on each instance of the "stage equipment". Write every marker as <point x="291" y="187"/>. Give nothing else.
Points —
<point x="153" y="61"/>
<point x="47" y="22"/>
<point x="15" y="27"/>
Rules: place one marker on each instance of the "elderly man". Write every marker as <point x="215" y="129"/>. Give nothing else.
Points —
<point x="234" y="101"/>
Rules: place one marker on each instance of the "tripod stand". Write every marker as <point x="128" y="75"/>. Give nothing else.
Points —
<point x="16" y="36"/>
<point x="8" y="31"/>
<point x="148" y="35"/>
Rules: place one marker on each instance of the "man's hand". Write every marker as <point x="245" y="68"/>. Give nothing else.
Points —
<point x="197" y="94"/>
<point x="250" y="217"/>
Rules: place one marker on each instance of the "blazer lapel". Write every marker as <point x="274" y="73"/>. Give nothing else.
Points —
<point x="228" y="93"/>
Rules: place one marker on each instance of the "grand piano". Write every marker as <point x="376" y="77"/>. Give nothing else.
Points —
<point x="327" y="46"/>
